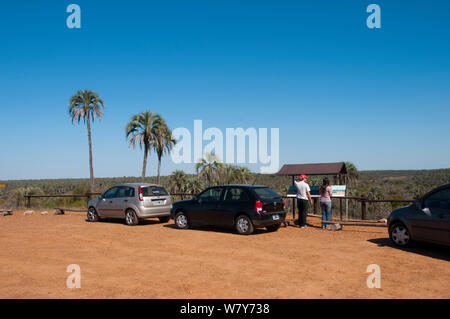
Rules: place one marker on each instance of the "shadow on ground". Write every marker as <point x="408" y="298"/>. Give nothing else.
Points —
<point x="217" y="229"/>
<point x="144" y="222"/>
<point x="425" y="249"/>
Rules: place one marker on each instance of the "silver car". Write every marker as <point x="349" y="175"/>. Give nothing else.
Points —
<point x="133" y="202"/>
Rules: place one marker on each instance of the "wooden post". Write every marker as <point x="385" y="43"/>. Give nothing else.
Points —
<point x="28" y="202"/>
<point x="363" y="207"/>
<point x="315" y="205"/>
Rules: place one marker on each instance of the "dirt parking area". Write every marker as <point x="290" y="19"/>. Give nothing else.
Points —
<point x="154" y="260"/>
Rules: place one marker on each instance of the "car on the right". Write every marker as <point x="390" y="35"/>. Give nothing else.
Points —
<point x="427" y="219"/>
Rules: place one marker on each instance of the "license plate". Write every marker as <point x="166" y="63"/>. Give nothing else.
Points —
<point x="275" y="217"/>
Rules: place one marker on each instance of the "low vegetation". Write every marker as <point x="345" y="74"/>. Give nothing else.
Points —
<point x="371" y="184"/>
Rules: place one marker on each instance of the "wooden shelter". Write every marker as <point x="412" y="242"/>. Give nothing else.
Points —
<point x="330" y="169"/>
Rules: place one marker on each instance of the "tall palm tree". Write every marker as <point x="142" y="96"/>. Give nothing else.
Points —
<point x="143" y="130"/>
<point x="86" y="105"/>
<point x="163" y="143"/>
<point x="209" y="167"/>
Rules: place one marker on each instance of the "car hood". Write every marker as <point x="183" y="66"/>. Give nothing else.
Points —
<point x="400" y="211"/>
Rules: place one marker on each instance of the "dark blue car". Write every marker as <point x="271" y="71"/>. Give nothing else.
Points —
<point x="244" y="207"/>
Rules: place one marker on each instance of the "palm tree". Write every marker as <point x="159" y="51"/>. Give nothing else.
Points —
<point x="352" y="173"/>
<point x="178" y="181"/>
<point x="209" y="167"/>
<point x="244" y="174"/>
<point x="86" y="105"/>
<point x="143" y="129"/>
<point x="227" y="174"/>
<point x="194" y="186"/>
<point x="163" y="143"/>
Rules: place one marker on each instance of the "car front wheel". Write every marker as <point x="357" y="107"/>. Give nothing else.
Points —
<point x="399" y="235"/>
<point x="92" y="215"/>
<point x="244" y="225"/>
<point x="181" y="220"/>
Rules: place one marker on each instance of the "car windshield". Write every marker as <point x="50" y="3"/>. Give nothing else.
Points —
<point x="266" y="193"/>
<point x="154" y="191"/>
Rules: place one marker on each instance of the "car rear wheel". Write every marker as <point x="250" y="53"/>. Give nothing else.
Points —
<point x="181" y="220"/>
<point x="273" y="228"/>
<point x="131" y="218"/>
<point x="164" y="219"/>
<point x="92" y="215"/>
<point x="399" y="235"/>
<point x="244" y="225"/>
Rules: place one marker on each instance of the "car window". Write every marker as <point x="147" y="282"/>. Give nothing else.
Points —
<point x="154" y="191"/>
<point x="440" y="199"/>
<point x="110" y="193"/>
<point x="266" y="193"/>
<point x="211" y="195"/>
<point x="236" y="194"/>
<point x="125" y="192"/>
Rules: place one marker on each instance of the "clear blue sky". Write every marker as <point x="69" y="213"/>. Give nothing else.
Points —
<point x="336" y="89"/>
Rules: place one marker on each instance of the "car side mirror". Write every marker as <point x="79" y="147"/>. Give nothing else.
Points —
<point x="100" y="197"/>
<point x="418" y="204"/>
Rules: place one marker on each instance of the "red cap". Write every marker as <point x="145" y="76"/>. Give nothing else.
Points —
<point x="303" y="176"/>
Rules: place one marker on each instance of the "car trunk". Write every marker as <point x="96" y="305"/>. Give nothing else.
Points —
<point x="272" y="201"/>
<point x="273" y="205"/>
<point x="155" y="196"/>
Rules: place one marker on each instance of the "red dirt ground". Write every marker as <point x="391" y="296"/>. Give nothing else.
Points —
<point x="154" y="260"/>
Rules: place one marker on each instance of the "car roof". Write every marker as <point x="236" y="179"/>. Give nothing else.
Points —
<point x="434" y="190"/>
<point x="138" y="184"/>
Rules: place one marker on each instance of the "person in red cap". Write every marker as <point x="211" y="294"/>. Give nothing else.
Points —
<point x="303" y="199"/>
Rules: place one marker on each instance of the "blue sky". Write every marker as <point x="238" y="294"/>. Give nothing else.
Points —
<point x="336" y="89"/>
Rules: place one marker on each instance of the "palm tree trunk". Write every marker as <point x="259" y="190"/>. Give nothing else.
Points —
<point x="144" y="167"/>
<point x="91" y="166"/>
<point x="159" y="168"/>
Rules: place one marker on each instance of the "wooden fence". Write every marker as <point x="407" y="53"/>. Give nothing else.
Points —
<point x="291" y="202"/>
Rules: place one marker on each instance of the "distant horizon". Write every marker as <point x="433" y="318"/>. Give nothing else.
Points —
<point x="154" y="176"/>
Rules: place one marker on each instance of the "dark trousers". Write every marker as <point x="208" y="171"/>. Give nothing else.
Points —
<point x="303" y="206"/>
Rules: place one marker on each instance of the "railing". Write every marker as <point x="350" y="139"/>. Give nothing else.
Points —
<point x="364" y="202"/>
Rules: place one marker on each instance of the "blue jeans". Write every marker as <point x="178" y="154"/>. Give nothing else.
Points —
<point x="326" y="212"/>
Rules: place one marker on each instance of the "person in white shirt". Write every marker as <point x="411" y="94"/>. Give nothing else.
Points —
<point x="303" y="199"/>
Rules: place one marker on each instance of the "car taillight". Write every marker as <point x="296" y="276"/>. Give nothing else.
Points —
<point x="284" y="203"/>
<point x="141" y="197"/>
<point x="258" y="206"/>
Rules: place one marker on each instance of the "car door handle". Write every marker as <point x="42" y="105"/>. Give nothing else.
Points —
<point x="110" y="201"/>
<point x="125" y="200"/>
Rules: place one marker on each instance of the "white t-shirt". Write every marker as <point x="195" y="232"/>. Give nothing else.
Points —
<point x="302" y="189"/>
